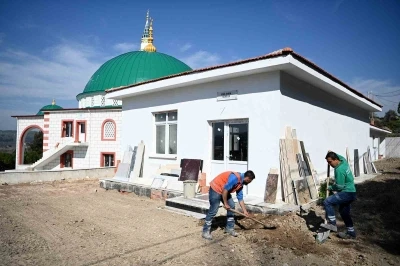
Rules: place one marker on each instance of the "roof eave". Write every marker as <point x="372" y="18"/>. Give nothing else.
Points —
<point x="380" y="130"/>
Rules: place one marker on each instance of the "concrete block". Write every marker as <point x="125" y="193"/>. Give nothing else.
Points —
<point x="157" y="183"/>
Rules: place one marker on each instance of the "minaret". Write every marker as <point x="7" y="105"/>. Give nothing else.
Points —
<point x="147" y="38"/>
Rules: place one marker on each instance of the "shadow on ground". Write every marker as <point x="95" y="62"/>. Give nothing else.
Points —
<point x="376" y="213"/>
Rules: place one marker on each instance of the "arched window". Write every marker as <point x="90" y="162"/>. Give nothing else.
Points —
<point x="108" y="130"/>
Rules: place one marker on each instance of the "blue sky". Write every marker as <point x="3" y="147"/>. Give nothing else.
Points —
<point x="50" y="49"/>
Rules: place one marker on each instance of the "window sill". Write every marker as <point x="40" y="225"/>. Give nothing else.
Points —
<point x="164" y="156"/>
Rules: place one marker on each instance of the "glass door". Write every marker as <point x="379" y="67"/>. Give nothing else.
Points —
<point x="229" y="151"/>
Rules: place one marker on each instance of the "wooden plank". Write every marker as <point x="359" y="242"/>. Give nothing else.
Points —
<point x="271" y="186"/>
<point x="301" y="167"/>
<point x="349" y="160"/>
<point x="138" y="166"/>
<point x="284" y="174"/>
<point x="356" y="163"/>
<point x="289" y="196"/>
<point x="302" y="191"/>
<point x="311" y="187"/>
<point x="313" y="172"/>
<point x="303" y="150"/>
<point x="288" y="133"/>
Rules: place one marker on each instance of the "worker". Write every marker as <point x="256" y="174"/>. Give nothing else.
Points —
<point x="221" y="188"/>
<point x="344" y="194"/>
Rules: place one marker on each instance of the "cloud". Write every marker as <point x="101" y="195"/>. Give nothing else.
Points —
<point x="60" y="71"/>
<point x="125" y="47"/>
<point x="185" y="47"/>
<point x="383" y="91"/>
<point x="202" y="59"/>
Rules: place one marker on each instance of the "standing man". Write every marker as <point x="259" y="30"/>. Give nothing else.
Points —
<point x="345" y="194"/>
<point x="220" y="191"/>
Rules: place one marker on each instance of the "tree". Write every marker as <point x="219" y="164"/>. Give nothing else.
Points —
<point x="390" y="116"/>
<point x="7" y="161"/>
<point x="398" y="108"/>
<point x="34" y="151"/>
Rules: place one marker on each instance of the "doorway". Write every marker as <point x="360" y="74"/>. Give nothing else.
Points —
<point x="229" y="148"/>
<point x="81" y="128"/>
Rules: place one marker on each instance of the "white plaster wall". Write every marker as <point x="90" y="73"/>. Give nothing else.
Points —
<point x="393" y="147"/>
<point x="22" y="124"/>
<point x="85" y="157"/>
<point x="87" y="101"/>
<point x="382" y="146"/>
<point x="258" y="100"/>
<point x="323" y="122"/>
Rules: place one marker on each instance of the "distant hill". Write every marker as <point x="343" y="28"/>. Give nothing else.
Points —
<point x="8" y="139"/>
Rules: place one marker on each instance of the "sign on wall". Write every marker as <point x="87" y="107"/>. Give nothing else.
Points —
<point x="227" y="95"/>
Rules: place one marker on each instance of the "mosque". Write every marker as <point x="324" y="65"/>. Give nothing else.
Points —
<point x="90" y="136"/>
<point x="230" y="116"/>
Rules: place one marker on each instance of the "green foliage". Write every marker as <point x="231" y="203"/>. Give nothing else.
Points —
<point x="398" y="108"/>
<point x="391" y="121"/>
<point x="7" y="161"/>
<point x="322" y="191"/>
<point x="34" y="152"/>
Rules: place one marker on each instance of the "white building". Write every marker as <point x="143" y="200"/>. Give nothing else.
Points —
<point x="232" y="116"/>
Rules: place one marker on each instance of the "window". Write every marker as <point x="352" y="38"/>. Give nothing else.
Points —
<point x="103" y="101"/>
<point x="166" y="132"/>
<point x="107" y="159"/>
<point x="67" y="129"/>
<point x="66" y="159"/>
<point x="108" y="130"/>
<point x="115" y="102"/>
<point x="92" y="102"/>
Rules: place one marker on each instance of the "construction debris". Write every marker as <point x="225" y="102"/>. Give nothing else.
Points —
<point x="298" y="176"/>
<point x="369" y="166"/>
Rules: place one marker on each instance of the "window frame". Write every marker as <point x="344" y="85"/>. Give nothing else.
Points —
<point x="64" y="131"/>
<point x="102" y="161"/>
<point x="102" y="130"/>
<point x="166" y="123"/>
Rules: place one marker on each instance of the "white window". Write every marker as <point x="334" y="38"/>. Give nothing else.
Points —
<point x="103" y="101"/>
<point x="109" y="130"/>
<point x="115" y="102"/>
<point x="166" y="132"/>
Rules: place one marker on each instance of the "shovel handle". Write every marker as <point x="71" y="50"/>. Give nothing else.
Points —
<point x="255" y="220"/>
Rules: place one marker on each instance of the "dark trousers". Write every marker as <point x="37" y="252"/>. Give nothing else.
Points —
<point x="215" y="200"/>
<point x="343" y="199"/>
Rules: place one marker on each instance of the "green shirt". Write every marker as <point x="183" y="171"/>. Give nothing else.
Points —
<point x="344" y="179"/>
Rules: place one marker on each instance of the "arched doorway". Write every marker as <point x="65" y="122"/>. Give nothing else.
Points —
<point x="31" y="139"/>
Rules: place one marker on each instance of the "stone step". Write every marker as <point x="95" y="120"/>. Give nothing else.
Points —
<point x="183" y="212"/>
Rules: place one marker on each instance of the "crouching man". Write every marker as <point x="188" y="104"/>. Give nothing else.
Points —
<point x="220" y="191"/>
<point x="345" y="194"/>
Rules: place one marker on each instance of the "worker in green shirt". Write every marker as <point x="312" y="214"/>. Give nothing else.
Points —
<point x="344" y="195"/>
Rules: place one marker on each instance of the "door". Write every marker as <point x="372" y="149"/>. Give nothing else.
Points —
<point x="82" y="132"/>
<point x="229" y="151"/>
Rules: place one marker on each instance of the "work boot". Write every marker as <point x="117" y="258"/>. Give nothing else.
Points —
<point x="346" y="235"/>
<point x="207" y="235"/>
<point x="231" y="232"/>
<point x="329" y="227"/>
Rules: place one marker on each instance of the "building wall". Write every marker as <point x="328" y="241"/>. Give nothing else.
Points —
<point x="84" y="157"/>
<point x="322" y="121"/>
<point x="97" y="101"/>
<point x="24" y="124"/>
<point x="258" y="101"/>
<point x="393" y="147"/>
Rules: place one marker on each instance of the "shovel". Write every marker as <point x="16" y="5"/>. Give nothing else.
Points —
<point x="255" y="220"/>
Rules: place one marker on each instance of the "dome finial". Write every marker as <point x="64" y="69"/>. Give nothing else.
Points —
<point x="53" y="102"/>
<point x="147" y="38"/>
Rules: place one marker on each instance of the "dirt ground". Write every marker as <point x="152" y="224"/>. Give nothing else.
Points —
<point x="78" y="223"/>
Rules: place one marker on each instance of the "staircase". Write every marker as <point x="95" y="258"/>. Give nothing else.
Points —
<point x="52" y="154"/>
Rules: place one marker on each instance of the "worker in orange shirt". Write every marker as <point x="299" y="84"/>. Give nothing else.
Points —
<point x="221" y="188"/>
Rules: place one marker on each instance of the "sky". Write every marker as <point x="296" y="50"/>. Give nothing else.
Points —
<point x="50" y="49"/>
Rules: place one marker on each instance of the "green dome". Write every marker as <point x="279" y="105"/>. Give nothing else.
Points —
<point x="131" y="68"/>
<point x="49" y="108"/>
